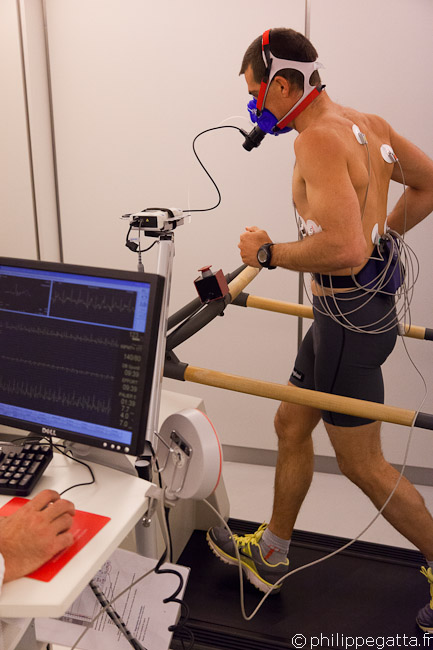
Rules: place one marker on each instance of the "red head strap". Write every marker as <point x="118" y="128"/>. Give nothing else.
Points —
<point x="266" y="53"/>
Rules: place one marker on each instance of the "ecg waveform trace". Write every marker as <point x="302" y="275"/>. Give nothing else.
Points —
<point x="66" y="335"/>
<point x="55" y="395"/>
<point x="71" y="369"/>
<point x="24" y="294"/>
<point x="93" y="304"/>
<point x="57" y="368"/>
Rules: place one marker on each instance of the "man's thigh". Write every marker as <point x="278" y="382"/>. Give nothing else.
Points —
<point x="356" y="446"/>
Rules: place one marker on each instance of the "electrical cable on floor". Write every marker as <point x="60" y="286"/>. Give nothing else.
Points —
<point x="181" y="626"/>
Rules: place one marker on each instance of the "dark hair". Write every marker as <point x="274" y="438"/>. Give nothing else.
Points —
<point x="284" y="44"/>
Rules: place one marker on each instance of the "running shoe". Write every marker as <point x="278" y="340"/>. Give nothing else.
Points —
<point x="258" y="571"/>
<point x="425" y="615"/>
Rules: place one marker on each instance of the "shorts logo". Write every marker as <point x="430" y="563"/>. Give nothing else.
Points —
<point x="298" y="375"/>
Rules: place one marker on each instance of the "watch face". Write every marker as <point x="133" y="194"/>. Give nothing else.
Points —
<point x="262" y="255"/>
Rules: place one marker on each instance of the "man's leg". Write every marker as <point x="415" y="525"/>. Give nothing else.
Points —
<point x="359" y="455"/>
<point x="264" y="563"/>
<point x="294" y="425"/>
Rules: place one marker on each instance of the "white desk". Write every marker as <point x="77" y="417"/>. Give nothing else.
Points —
<point x="120" y="496"/>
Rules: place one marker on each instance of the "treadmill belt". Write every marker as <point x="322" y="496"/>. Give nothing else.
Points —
<point x="369" y="591"/>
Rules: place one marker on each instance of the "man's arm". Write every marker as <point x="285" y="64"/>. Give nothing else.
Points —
<point x="418" y="175"/>
<point x="35" y="533"/>
<point x="332" y="203"/>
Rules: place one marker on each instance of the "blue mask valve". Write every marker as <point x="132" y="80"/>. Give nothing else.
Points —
<point x="266" y="120"/>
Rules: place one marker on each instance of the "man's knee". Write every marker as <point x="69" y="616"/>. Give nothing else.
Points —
<point x="349" y="468"/>
<point x="358" y="470"/>
<point x="358" y="451"/>
<point x="282" y="425"/>
<point x="294" y="424"/>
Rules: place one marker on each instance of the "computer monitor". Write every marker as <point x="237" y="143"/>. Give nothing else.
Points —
<point x="77" y="351"/>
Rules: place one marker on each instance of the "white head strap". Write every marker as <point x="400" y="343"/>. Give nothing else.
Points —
<point x="275" y="65"/>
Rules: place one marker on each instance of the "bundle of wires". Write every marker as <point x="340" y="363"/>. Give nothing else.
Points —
<point x="397" y="265"/>
<point x="398" y="259"/>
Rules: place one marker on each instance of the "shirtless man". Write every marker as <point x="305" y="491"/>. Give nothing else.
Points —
<point x="330" y="183"/>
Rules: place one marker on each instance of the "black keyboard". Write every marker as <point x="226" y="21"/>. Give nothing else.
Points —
<point x="21" y="467"/>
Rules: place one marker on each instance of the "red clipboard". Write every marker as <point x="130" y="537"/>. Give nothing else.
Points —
<point x="84" y="527"/>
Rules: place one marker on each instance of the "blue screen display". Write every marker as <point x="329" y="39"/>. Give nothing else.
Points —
<point x="72" y="351"/>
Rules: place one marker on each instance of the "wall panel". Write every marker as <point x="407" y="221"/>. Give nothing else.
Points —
<point x="17" y="223"/>
<point x="133" y="82"/>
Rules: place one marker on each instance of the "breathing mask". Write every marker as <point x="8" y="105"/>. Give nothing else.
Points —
<point x="265" y="120"/>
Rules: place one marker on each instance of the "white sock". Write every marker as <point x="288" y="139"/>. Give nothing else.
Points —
<point x="274" y="549"/>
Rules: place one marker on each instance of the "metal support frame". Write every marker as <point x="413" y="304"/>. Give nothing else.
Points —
<point x="165" y="269"/>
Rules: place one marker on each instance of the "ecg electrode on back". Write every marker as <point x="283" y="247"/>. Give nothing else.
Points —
<point x="76" y="351"/>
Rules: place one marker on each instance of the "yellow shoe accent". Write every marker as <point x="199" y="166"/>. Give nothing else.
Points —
<point x="428" y="573"/>
<point x="251" y="557"/>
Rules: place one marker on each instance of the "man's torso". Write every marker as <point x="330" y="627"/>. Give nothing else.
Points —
<point x="360" y="158"/>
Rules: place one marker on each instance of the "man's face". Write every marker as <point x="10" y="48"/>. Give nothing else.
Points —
<point x="253" y="86"/>
<point x="276" y="98"/>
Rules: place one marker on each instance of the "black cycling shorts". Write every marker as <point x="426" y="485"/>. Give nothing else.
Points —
<point x="334" y="360"/>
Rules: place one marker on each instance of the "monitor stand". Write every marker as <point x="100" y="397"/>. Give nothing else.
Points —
<point x="111" y="459"/>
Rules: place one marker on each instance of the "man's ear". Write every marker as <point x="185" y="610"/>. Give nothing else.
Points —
<point x="283" y="85"/>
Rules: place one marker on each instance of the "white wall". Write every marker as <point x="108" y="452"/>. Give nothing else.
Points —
<point x="133" y="82"/>
<point x="42" y="150"/>
<point x="17" y="224"/>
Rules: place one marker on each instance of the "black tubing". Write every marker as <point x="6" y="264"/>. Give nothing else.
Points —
<point x="424" y="421"/>
<point x="173" y="368"/>
<point x="196" y="322"/>
<point x="183" y="312"/>
<point x="428" y="336"/>
<point x="241" y="300"/>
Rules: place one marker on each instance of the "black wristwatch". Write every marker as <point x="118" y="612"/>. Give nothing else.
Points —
<point x="264" y="256"/>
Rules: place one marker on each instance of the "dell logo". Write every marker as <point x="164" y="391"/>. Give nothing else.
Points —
<point x="50" y="432"/>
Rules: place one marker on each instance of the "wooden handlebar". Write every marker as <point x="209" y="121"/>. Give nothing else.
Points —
<point x="305" y="311"/>
<point x="303" y="396"/>
<point x="242" y="280"/>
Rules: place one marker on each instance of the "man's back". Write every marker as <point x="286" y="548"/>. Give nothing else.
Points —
<point x="345" y="159"/>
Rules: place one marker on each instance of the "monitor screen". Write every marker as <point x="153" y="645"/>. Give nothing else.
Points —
<point x="77" y="351"/>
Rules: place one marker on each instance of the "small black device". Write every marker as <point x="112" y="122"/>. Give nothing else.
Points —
<point x="211" y="286"/>
<point x="77" y="351"/>
<point x="264" y="256"/>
